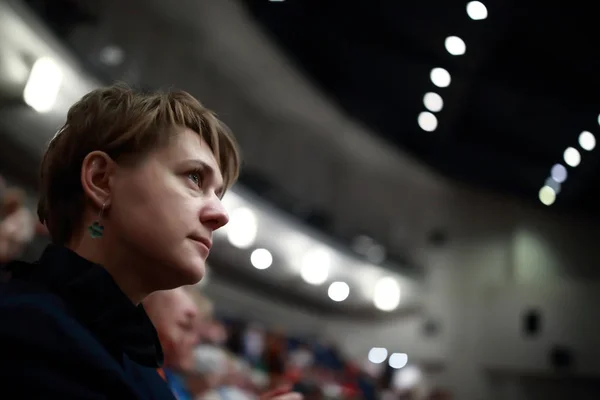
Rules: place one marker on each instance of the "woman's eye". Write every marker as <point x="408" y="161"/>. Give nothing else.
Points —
<point x="196" y="178"/>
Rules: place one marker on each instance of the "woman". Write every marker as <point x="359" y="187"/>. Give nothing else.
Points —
<point x="131" y="191"/>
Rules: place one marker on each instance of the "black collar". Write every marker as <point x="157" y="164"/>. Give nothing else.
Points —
<point x="96" y="301"/>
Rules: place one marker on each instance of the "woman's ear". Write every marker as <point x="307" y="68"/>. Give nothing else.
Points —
<point x="97" y="173"/>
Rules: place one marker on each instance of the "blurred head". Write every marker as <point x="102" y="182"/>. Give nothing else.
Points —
<point x="17" y="224"/>
<point x="175" y="317"/>
<point x="151" y="168"/>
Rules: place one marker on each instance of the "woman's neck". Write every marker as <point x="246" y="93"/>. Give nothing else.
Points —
<point x="115" y="261"/>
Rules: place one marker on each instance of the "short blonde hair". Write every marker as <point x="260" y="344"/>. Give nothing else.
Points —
<point x="127" y="125"/>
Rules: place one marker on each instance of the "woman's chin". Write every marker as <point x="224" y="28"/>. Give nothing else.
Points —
<point x="181" y="273"/>
<point x="194" y="272"/>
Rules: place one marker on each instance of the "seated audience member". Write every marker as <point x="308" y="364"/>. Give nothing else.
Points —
<point x="175" y="318"/>
<point x="131" y="189"/>
<point x="17" y="224"/>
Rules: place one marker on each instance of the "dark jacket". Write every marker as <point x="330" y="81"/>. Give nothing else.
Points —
<point x="68" y="332"/>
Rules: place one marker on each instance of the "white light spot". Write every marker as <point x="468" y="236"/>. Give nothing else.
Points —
<point x="338" y="291"/>
<point x="242" y="228"/>
<point x="547" y="196"/>
<point x="455" y="45"/>
<point x="261" y="258"/>
<point x="315" y="266"/>
<point x="476" y="10"/>
<point x="398" y="360"/>
<point x="387" y="294"/>
<point x="427" y="121"/>
<point x="43" y="85"/>
<point x="587" y="140"/>
<point x="377" y="355"/>
<point x="559" y="173"/>
<point x="407" y="378"/>
<point x="572" y="157"/>
<point x="440" y="77"/>
<point x="433" y="102"/>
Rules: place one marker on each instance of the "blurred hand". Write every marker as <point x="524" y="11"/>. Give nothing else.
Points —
<point x="281" y="393"/>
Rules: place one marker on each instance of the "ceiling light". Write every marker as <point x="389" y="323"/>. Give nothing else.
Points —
<point x="398" y="360"/>
<point x="43" y="85"/>
<point x="559" y="173"/>
<point x="433" y="102"/>
<point x="242" y="228"/>
<point x="387" y="294"/>
<point x="572" y="157"/>
<point x="440" y="77"/>
<point x="587" y="140"/>
<point x="427" y="121"/>
<point x="476" y="10"/>
<point x="547" y="196"/>
<point x="338" y="291"/>
<point x="315" y="266"/>
<point x="455" y="45"/>
<point x="377" y="355"/>
<point x="261" y="258"/>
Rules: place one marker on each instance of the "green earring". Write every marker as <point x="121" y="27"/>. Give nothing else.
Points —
<point x="96" y="229"/>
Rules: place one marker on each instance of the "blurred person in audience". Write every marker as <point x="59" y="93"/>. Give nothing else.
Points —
<point x="206" y="320"/>
<point x="254" y="344"/>
<point x="274" y="357"/>
<point x="17" y="223"/>
<point x="131" y="189"/>
<point x="210" y="368"/>
<point x="176" y="319"/>
<point x="191" y="369"/>
<point x="215" y="333"/>
<point x="302" y="357"/>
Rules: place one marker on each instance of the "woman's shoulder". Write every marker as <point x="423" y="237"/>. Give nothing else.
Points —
<point x="26" y="306"/>
<point x="38" y="322"/>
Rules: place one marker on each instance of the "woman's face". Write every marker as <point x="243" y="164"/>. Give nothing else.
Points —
<point x="164" y="210"/>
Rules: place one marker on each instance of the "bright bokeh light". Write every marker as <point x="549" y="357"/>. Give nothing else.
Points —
<point x="433" y="102"/>
<point x="559" y="173"/>
<point x="377" y="355"/>
<point x="440" y="77"/>
<point x="455" y="45"/>
<point x="261" y="258"/>
<point x="427" y="121"/>
<point x="547" y="196"/>
<point x="398" y="360"/>
<point x="338" y="291"/>
<point x="572" y="157"/>
<point x="407" y="378"/>
<point x="587" y="140"/>
<point x="476" y="10"/>
<point x="242" y="228"/>
<point x="551" y="183"/>
<point x="387" y="294"/>
<point x="315" y="266"/>
<point x="43" y="85"/>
